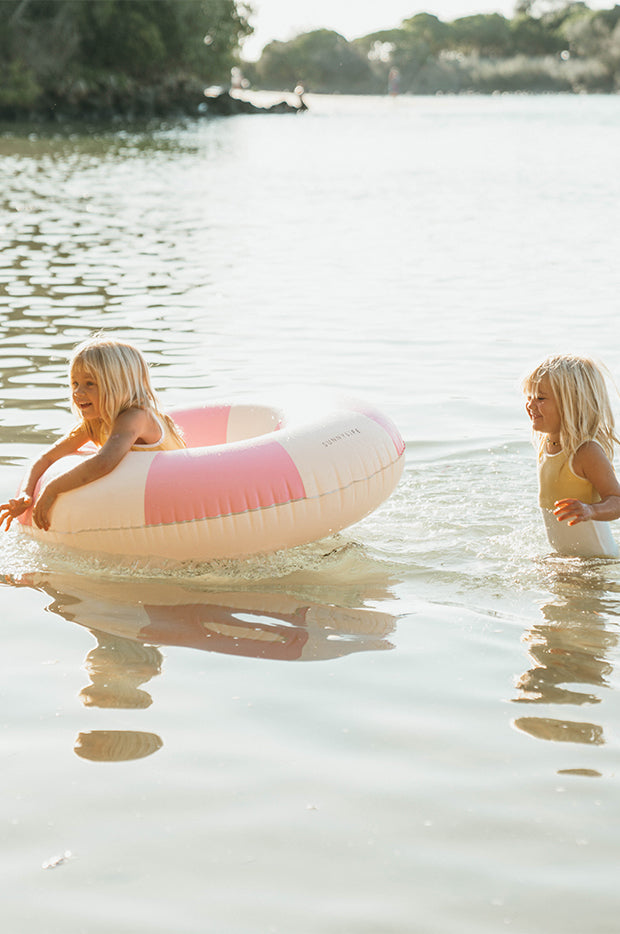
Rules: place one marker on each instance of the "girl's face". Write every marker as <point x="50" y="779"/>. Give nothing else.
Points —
<point x="85" y="393"/>
<point x="543" y="410"/>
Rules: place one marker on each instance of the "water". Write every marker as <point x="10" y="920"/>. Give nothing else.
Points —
<point x="411" y="728"/>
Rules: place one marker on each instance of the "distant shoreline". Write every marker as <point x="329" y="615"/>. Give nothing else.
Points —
<point x="109" y="100"/>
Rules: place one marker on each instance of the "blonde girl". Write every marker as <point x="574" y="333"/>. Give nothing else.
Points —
<point x="570" y="411"/>
<point x="117" y="409"/>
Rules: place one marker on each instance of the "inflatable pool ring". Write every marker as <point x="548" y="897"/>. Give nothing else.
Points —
<point x="254" y="479"/>
<point x="584" y="540"/>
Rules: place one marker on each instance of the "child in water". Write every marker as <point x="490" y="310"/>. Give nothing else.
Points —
<point x="117" y="408"/>
<point x="568" y="404"/>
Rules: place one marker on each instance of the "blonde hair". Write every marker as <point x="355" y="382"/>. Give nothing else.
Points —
<point x="580" y="392"/>
<point x="123" y="380"/>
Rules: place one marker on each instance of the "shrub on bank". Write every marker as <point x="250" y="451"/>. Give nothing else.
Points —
<point x="105" y="95"/>
<point x="139" y="57"/>
<point x="521" y="73"/>
<point x="567" y="48"/>
<point x="19" y="89"/>
<point x="456" y="74"/>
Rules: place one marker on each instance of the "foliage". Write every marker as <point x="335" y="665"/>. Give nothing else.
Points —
<point x="17" y="85"/>
<point x="597" y="37"/>
<point x="531" y="37"/>
<point x="486" y="35"/>
<point x="320" y="60"/>
<point x="548" y="45"/>
<point x="533" y="74"/>
<point x="142" y="40"/>
<point x="428" y="29"/>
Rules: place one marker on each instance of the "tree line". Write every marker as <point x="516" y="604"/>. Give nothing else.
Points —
<point x="135" y="57"/>
<point x="548" y="45"/>
<point x="103" y="56"/>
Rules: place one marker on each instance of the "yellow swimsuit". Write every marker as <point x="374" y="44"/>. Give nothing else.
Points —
<point x="556" y="481"/>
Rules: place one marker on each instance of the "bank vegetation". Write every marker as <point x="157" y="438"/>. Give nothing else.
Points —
<point x="547" y="46"/>
<point x="102" y="58"/>
<point x="105" y="58"/>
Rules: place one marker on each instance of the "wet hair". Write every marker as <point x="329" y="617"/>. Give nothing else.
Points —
<point x="123" y="380"/>
<point x="580" y="391"/>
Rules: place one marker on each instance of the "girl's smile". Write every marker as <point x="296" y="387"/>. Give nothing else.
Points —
<point x="85" y="393"/>
<point x="543" y="410"/>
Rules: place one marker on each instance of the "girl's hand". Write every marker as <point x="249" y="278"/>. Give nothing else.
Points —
<point x="14" y="508"/>
<point x="42" y="508"/>
<point x="573" y="510"/>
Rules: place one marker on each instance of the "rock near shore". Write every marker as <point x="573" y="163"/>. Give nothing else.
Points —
<point x="223" y="104"/>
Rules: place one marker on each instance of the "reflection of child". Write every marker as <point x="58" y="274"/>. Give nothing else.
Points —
<point x="569" y="407"/>
<point x="112" y="396"/>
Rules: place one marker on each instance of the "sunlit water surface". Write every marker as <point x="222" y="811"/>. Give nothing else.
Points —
<point x="410" y="728"/>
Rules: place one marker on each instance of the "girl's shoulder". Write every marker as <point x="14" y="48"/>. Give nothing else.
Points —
<point x="135" y="415"/>
<point x="144" y="423"/>
<point x="588" y="454"/>
<point x="591" y="449"/>
<point x="132" y="410"/>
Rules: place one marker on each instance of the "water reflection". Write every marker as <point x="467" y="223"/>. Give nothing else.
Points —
<point x="130" y="619"/>
<point x="116" y="745"/>
<point x="270" y="625"/>
<point x="569" y="647"/>
<point x="117" y="669"/>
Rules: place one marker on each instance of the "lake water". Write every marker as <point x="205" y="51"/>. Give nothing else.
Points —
<point x="416" y="728"/>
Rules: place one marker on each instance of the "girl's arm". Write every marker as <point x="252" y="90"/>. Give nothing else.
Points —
<point x="127" y="428"/>
<point x="591" y="463"/>
<point x="67" y="445"/>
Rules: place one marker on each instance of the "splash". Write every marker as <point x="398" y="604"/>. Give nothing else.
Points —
<point x="335" y="555"/>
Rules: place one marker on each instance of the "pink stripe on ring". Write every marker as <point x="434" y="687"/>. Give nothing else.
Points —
<point x="185" y="485"/>
<point x="207" y="425"/>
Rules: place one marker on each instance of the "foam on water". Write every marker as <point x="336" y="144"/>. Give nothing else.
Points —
<point x="21" y="554"/>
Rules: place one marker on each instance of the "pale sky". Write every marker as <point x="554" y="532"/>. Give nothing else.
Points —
<point x="283" y="19"/>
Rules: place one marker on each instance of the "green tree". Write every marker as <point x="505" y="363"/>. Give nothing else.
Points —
<point x="482" y="52"/>
<point x="531" y="36"/>
<point x="596" y="36"/>
<point x="140" y="38"/>
<point x="277" y="67"/>
<point x="483" y="34"/>
<point x="413" y="46"/>
<point x="321" y="60"/>
<point x="428" y="29"/>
